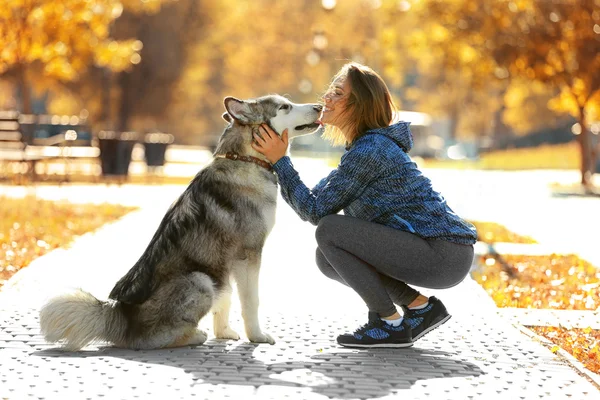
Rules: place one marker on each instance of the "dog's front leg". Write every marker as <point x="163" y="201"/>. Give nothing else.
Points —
<point x="221" y="316"/>
<point x="246" y="277"/>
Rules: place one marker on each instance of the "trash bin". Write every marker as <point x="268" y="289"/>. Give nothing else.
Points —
<point x="155" y="147"/>
<point x="115" y="152"/>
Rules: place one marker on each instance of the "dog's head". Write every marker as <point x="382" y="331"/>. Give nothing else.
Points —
<point x="276" y="111"/>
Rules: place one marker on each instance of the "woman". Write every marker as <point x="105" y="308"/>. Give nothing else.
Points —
<point x="396" y="230"/>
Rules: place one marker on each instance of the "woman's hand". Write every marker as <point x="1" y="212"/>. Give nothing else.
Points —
<point x="270" y="144"/>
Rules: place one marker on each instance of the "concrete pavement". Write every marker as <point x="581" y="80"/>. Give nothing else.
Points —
<point x="476" y="355"/>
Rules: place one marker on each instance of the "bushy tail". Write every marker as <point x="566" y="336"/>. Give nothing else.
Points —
<point x="79" y="318"/>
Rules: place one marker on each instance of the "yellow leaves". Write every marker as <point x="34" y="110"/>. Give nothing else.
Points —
<point x="515" y="94"/>
<point x="527" y="106"/>
<point x="593" y="108"/>
<point x="438" y="33"/>
<point x="37" y="51"/>
<point x="117" y="55"/>
<point x="583" y="344"/>
<point x="565" y="102"/>
<point x="67" y="36"/>
<point x="555" y="281"/>
<point x="145" y="6"/>
<point x="467" y="54"/>
<point x="30" y="228"/>
<point x="99" y="29"/>
<point x="61" y="69"/>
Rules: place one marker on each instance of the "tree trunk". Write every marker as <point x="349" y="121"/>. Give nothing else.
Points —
<point x="25" y="91"/>
<point x="454" y="119"/>
<point x="125" y="102"/>
<point x="585" y="148"/>
<point x="105" y="109"/>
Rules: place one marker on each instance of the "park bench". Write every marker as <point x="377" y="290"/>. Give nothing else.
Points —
<point x="28" y="140"/>
<point x="30" y="144"/>
<point x="13" y="146"/>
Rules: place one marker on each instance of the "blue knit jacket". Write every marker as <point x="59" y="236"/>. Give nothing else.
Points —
<point x="377" y="181"/>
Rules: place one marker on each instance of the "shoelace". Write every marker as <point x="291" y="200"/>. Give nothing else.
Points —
<point x="366" y="326"/>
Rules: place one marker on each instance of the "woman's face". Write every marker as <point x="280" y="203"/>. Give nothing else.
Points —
<point x="335" y="101"/>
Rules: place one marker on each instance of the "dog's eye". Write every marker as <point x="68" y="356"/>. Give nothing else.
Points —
<point x="285" y="107"/>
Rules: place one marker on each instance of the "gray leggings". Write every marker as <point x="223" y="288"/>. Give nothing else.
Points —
<point x="377" y="261"/>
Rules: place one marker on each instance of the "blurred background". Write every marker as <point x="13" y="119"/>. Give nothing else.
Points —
<point x="493" y="84"/>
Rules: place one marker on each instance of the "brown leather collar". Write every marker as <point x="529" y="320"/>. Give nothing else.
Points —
<point x="235" y="156"/>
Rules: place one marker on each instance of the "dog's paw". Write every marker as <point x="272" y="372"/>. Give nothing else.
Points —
<point x="227" y="333"/>
<point x="262" y="338"/>
<point x="199" y="337"/>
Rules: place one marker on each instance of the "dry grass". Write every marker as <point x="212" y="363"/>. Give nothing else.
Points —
<point x="561" y="156"/>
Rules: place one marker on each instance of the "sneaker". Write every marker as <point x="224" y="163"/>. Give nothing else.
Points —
<point x="426" y="319"/>
<point x="378" y="333"/>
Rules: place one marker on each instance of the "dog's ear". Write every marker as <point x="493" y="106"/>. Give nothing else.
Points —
<point x="227" y="117"/>
<point x="238" y="109"/>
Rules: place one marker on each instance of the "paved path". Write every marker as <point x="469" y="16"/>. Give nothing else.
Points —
<point x="476" y="355"/>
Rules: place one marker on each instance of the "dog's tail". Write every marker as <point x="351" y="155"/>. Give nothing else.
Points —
<point x="79" y="318"/>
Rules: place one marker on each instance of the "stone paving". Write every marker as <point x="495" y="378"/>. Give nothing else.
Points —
<point x="478" y="354"/>
<point x="470" y="358"/>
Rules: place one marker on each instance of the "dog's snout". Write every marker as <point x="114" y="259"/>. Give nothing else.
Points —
<point x="318" y="107"/>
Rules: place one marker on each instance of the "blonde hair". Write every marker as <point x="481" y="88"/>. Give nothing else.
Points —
<point x="369" y="105"/>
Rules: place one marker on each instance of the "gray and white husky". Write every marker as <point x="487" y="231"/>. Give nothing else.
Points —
<point x="215" y="231"/>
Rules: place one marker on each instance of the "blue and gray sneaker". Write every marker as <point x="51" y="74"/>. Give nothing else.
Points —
<point x="426" y="319"/>
<point x="378" y="333"/>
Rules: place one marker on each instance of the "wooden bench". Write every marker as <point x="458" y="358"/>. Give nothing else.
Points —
<point x="14" y="148"/>
<point x="20" y="148"/>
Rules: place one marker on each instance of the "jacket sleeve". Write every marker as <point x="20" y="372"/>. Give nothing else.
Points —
<point x="322" y="183"/>
<point x="343" y="185"/>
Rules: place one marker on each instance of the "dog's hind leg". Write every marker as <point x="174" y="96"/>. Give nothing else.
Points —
<point x="246" y="276"/>
<point x="193" y="337"/>
<point x="169" y="318"/>
<point x="221" y="315"/>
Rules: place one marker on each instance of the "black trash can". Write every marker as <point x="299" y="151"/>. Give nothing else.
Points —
<point x="115" y="152"/>
<point x="155" y="147"/>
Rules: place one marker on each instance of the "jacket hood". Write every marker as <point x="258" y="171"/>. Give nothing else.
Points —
<point x="399" y="133"/>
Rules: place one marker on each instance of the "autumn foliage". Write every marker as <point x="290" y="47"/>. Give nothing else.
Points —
<point x="583" y="344"/>
<point x="492" y="68"/>
<point x="45" y="43"/>
<point x="555" y="281"/>
<point x="564" y="282"/>
<point x="30" y="228"/>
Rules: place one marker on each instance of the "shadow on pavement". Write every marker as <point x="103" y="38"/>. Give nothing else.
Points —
<point x="333" y="372"/>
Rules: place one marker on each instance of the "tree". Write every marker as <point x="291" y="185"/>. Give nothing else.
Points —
<point x="555" y="43"/>
<point x="561" y="50"/>
<point x="454" y="78"/>
<point x="48" y="41"/>
<point x="528" y="107"/>
<point x="251" y="48"/>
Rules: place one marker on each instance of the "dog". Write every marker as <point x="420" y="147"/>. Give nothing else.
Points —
<point x="212" y="234"/>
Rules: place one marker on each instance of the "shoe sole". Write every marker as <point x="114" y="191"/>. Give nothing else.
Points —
<point x="432" y="327"/>
<point x="392" y="345"/>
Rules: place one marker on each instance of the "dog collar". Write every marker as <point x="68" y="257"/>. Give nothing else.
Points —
<point x="235" y="156"/>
